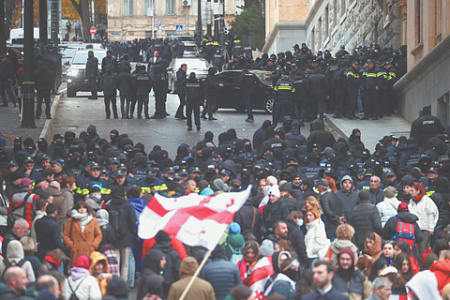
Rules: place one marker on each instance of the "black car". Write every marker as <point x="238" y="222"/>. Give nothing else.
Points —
<point x="76" y="79"/>
<point x="230" y="95"/>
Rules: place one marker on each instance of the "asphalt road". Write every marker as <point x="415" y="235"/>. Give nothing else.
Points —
<point x="77" y="113"/>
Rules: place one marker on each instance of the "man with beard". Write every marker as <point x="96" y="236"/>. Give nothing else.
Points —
<point x="323" y="274"/>
<point x="280" y="232"/>
<point x="349" y="281"/>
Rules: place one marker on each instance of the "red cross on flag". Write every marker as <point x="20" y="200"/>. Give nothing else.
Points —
<point x="193" y="219"/>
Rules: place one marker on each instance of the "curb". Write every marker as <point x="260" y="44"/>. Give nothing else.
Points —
<point x="53" y="110"/>
<point x="336" y="128"/>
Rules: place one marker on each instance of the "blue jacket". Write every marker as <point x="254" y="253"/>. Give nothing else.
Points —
<point x="223" y="276"/>
<point x="284" y="90"/>
<point x="48" y="235"/>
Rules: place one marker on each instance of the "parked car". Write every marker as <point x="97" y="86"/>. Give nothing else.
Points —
<point x="198" y="65"/>
<point x="231" y="96"/>
<point x="76" y="79"/>
<point x="190" y="50"/>
<point x="69" y="49"/>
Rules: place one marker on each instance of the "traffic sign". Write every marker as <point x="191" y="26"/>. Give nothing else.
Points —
<point x="159" y="23"/>
<point x="93" y="30"/>
<point x="179" y="28"/>
<point x="225" y="30"/>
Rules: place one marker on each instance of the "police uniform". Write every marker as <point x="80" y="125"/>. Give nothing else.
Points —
<point x="284" y="98"/>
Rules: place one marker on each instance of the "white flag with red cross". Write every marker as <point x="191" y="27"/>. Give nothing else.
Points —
<point x="193" y="219"/>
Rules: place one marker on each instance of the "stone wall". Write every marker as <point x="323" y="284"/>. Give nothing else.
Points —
<point x="362" y="23"/>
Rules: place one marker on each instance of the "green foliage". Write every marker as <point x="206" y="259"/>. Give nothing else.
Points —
<point x="249" y="25"/>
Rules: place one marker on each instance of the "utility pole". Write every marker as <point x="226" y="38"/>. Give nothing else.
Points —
<point x="2" y="28"/>
<point x="222" y="28"/>
<point x="28" y="80"/>
<point x="199" y="18"/>
<point x="43" y="23"/>
<point x="54" y="19"/>
<point x="208" y="13"/>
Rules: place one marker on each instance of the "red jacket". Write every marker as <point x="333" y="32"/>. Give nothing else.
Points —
<point x="441" y="270"/>
<point x="176" y="244"/>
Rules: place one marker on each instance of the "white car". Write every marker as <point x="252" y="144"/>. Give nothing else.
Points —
<point x="198" y="65"/>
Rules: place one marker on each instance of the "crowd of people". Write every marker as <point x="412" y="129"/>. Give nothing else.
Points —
<point x="326" y="218"/>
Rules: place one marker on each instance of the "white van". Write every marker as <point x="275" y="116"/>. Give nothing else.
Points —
<point x="16" y="36"/>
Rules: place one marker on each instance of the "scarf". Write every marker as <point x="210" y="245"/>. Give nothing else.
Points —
<point x="53" y="261"/>
<point x="83" y="218"/>
<point x="418" y="198"/>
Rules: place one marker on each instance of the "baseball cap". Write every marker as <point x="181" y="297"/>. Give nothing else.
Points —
<point x="403" y="207"/>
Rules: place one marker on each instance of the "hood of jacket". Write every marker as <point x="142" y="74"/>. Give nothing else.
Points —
<point x="102" y="216"/>
<point x="407" y="217"/>
<point x="441" y="265"/>
<point x="188" y="267"/>
<point x="15" y="251"/>
<point x="338" y="245"/>
<point x="153" y="260"/>
<point x="117" y="199"/>
<point x="317" y="125"/>
<point x="424" y="284"/>
<point x="95" y="258"/>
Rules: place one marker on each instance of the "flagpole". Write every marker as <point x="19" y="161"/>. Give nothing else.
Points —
<point x="191" y="282"/>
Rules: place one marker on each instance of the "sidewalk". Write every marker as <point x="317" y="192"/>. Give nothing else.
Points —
<point x="11" y="121"/>
<point x="371" y="131"/>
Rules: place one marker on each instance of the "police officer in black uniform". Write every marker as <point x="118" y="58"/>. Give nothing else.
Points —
<point x="248" y="84"/>
<point x="353" y="85"/>
<point x="298" y="78"/>
<point x="283" y="94"/>
<point x="194" y="97"/>
<point x="371" y="86"/>
<point x="158" y="73"/>
<point x="92" y="73"/>
<point x="142" y="83"/>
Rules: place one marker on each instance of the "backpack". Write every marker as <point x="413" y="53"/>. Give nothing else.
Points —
<point x="73" y="295"/>
<point x="117" y="221"/>
<point x="236" y="253"/>
<point x="15" y="214"/>
<point x="405" y="232"/>
<point x="9" y="264"/>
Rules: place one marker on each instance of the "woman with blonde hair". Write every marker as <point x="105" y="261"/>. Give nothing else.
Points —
<point x="311" y="202"/>
<point x="316" y="238"/>
<point x="344" y="235"/>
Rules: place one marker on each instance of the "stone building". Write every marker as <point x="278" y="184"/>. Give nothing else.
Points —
<point x="132" y="19"/>
<point x="328" y="24"/>
<point x="428" y="55"/>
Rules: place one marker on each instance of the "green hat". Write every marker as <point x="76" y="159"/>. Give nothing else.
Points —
<point x="91" y="51"/>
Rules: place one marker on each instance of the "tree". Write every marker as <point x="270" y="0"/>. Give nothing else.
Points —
<point x="249" y="26"/>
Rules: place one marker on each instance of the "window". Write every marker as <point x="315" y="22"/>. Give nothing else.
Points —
<point x="128" y="7"/>
<point x="335" y="10"/>
<point x="326" y="23"/>
<point x="170" y="7"/>
<point x="148" y="8"/>
<point x="418" y="23"/>
<point x="319" y="33"/>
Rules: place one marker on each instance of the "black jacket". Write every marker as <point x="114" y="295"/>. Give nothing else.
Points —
<point x="245" y="216"/>
<point x="319" y="136"/>
<point x="126" y="211"/>
<point x="43" y="78"/>
<point x="48" y="235"/>
<point x="181" y="81"/>
<point x="125" y="84"/>
<point x="194" y="93"/>
<point x="109" y="61"/>
<point x="92" y="67"/>
<point x="365" y="219"/>
<point x="390" y="228"/>
<point x="248" y="83"/>
<point x="441" y="200"/>
<point x="332" y="208"/>
<point x="297" y="240"/>
<point x="109" y="83"/>
<point x="142" y="82"/>
<point x="317" y="84"/>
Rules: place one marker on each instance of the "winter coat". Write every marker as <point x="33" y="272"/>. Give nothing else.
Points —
<point x="60" y="201"/>
<point x="319" y="136"/>
<point x="80" y="242"/>
<point x="297" y="240"/>
<point x="376" y="196"/>
<point x="441" y="270"/>
<point x="316" y="240"/>
<point x="332" y="294"/>
<point x="274" y="212"/>
<point x="86" y="286"/>
<point x="92" y="67"/>
<point x="357" y="287"/>
<point x="222" y="275"/>
<point x="95" y="258"/>
<point x="441" y="200"/>
<point x="126" y="211"/>
<point x="426" y="211"/>
<point x="365" y="219"/>
<point x="15" y="255"/>
<point x="374" y="253"/>
<point x="173" y="261"/>
<point x="43" y="78"/>
<point x="332" y="208"/>
<point x="125" y="84"/>
<point x="200" y="289"/>
<point x="349" y="200"/>
<point x="181" y="81"/>
<point x="336" y="247"/>
<point x="48" y="235"/>
<point x="109" y="83"/>
<point x="245" y="216"/>
<point x="6" y="293"/>
<point x="387" y="209"/>
<point x="390" y="228"/>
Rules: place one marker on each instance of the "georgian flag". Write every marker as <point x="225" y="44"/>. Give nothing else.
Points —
<point x="261" y="272"/>
<point x="193" y="219"/>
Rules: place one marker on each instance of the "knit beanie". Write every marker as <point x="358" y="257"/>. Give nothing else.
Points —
<point x="266" y="248"/>
<point x="389" y="192"/>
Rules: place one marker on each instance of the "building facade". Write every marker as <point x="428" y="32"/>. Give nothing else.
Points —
<point x="328" y="24"/>
<point x="132" y="19"/>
